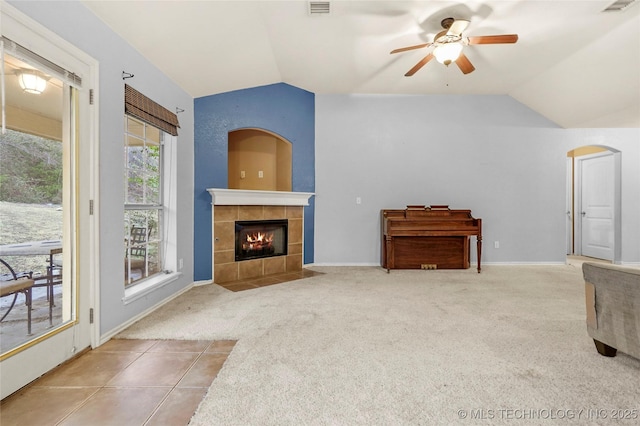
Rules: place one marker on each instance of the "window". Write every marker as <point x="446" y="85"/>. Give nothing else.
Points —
<point x="144" y="202"/>
<point x="150" y="132"/>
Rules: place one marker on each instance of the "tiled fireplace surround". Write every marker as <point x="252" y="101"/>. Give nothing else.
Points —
<point x="229" y="206"/>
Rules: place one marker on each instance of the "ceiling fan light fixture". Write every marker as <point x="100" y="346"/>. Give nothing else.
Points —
<point x="448" y="52"/>
<point x="31" y="81"/>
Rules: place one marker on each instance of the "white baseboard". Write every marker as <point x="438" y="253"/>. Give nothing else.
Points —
<point x="472" y="264"/>
<point x="523" y="263"/>
<point x="345" y="264"/>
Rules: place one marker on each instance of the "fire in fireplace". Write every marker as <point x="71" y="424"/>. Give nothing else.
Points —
<point x="261" y="238"/>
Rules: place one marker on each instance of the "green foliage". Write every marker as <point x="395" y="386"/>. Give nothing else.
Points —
<point x="143" y="174"/>
<point x="30" y="169"/>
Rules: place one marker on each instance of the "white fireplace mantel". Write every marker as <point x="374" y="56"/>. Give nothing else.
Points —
<point x="242" y="197"/>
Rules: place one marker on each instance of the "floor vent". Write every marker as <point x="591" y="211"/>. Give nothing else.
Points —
<point x="319" y="8"/>
<point x="619" y="5"/>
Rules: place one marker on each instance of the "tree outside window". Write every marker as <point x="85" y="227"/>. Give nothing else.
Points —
<point x="143" y="204"/>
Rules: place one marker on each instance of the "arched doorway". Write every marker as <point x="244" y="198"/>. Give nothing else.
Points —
<point x="594" y="202"/>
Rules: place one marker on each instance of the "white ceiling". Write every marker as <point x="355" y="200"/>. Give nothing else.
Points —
<point x="573" y="63"/>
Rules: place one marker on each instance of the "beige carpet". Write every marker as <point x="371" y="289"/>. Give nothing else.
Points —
<point x="358" y="346"/>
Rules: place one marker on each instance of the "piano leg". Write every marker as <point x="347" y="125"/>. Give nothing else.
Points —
<point x="479" y="247"/>
<point x="389" y="252"/>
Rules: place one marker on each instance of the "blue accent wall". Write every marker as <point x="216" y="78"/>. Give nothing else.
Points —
<point x="279" y="108"/>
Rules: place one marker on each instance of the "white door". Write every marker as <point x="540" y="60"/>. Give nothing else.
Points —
<point x="597" y="206"/>
<point x="57" y="111"/>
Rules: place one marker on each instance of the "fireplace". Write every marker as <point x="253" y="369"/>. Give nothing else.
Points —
<point x="255" y="239"/>
<point x="229" y="206"/>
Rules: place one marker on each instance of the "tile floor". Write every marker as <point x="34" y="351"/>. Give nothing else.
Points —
<point x="268" y="280"/>
<point x="123" y="382"/>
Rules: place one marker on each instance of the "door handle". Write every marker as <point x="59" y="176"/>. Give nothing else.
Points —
<point x="583" y="213"/>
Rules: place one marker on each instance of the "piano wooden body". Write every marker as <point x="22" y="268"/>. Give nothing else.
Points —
<point x="434" y="237"/>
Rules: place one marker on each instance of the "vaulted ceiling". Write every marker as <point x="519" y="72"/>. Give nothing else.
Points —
<point x="574" y="63"/>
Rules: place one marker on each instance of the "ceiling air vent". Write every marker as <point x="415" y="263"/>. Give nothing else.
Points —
<point x="319" y="8"/>
<point x="619" y="5"/>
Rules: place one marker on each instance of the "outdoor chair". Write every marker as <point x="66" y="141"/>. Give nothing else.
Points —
<point x="53" y="277"/>
<point x="14" y="284"/>
<point x="136" y="255"/>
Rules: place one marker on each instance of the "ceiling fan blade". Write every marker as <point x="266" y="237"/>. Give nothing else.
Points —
<point x="458" y="26"/>
<point x="417" y="46"/>
<point x="464" y="64"/>
<point x="419" y="65"/>
<point x="493" y="39"/>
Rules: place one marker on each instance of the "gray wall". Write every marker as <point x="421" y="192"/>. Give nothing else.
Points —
<point x="75" y="23"/>
<point x="489" y="154"/>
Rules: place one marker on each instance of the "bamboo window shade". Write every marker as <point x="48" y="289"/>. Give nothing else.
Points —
<point x="138" y="105"/>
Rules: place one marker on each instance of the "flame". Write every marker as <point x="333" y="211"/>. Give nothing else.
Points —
<point x="258" y="241"/>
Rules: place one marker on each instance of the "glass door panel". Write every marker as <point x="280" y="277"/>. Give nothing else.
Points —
<point x="36" y="205"/>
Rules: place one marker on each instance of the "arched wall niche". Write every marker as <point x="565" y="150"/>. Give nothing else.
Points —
<point x="259" y="160"/>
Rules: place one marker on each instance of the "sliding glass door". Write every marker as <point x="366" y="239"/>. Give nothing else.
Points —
<point x="34" y="204"/>
<point x="45" y="231"/>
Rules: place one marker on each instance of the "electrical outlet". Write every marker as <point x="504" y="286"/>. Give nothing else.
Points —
<point x="496" y="244"/>
<point x="243" y="174"/>
<point x="358" y="200"/>
<point x="260" y="174"/>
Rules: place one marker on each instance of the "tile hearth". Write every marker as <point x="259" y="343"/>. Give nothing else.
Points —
<point x="249" y="284"/>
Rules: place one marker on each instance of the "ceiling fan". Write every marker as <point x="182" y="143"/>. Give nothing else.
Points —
<point x="449" y="44"/>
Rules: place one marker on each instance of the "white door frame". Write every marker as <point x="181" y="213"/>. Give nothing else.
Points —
<point x="22" y="366"/>
<point x="569" y="204"/>
<point x="617" y="202"/>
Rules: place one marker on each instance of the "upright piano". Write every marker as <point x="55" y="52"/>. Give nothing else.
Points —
<point x="434" y="237"/>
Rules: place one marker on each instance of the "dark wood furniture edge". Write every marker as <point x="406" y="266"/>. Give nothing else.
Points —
<point x="604" y="349"/>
